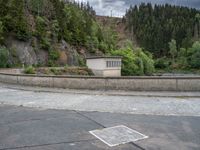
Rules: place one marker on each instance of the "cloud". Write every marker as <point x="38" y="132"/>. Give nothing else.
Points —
<point x="119" y="7"/>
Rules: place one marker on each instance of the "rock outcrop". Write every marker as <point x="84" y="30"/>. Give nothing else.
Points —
<point x="24" y="53"/>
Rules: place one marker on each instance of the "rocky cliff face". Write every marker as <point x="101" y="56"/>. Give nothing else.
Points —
<point x="68" y="54"/>
<point x="24" y="53"/>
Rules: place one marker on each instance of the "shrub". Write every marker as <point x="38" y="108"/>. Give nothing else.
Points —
<point x="195" y="60"/>
<point x="135" y="62"/>
<point x="30" y="70"/>
<point x="53" y="57"/>
<point x="182" y="58"/>
<point x="45" y="43"/>
<point x="4" y="56"/>
<point x="1" y="32"/>
<point x="78" y="71"/>
<point x="129" y="67"/>
<point x="147" y="62"/>
<point x="81" y="61"/>
<point x="40" y="27"/>
<point x="23" y="34"/>
<point x="161" y="63"/>
<point x="194" y="55"/>
<point x="56" y="71"/>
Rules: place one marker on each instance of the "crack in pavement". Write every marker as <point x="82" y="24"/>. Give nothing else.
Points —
<point x="89" y="119"/>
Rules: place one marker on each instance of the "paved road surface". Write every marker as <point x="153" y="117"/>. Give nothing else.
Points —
<point x="36" y="129"/>
<point x="33" y="120"/>
<point x="154" y="105"/>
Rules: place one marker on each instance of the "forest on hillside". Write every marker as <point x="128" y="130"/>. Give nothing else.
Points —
<point x="170" y="33"/>
<point x="168" y="36"/>
<point x="47" y="22"/>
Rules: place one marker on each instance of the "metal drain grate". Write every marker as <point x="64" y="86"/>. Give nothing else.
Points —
<point x="117" y="135"/>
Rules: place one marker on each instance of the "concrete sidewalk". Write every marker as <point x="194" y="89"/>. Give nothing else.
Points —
<point x="107" y="92"/>
<point x="181" y="106"/>
<point x="38" y="129"/>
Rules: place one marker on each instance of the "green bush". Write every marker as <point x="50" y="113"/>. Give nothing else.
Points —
<point x="30" y="70"/>
<point x="182" y="60"/>
<point x="56" y="71"/>
<point x="128" y="62"/>
<point x="147" y="62"/>
<point x="1" y="32"/>
<point x="81" y="61"/>
<point x="22" y="32"/>
<point x="53" y="57"/>
<point x="135" y="62"/>
<point x="78" y="71"/>
<point x="194" y="55"/>
<point x="45" y="43"/>
<point x="4" y="56"/>
<point x="161" y="63"/>
<point x="195" y="60"/>
<point x="40" y="27"/>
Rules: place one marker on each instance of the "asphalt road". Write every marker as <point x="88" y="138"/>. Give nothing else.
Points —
<point x="36" y="129"/>
<point x="36" y="120"/>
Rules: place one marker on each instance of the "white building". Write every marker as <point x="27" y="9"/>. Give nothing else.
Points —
<point x="109" y="66"/>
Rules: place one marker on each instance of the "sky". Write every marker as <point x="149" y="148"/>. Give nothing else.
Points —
<point x="119" y="7"/>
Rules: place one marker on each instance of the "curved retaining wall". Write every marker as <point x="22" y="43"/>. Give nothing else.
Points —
<point x="152" y="83"/>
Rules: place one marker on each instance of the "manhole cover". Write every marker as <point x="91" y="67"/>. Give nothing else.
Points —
<point x="117" y="135"/>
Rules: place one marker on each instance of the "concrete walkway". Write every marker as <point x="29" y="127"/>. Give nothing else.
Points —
<point x="109" y="92"/>
<point x="154" y="105"/>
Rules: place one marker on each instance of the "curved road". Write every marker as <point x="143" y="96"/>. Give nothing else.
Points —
<point x="55" y="119"/>
<point x="179" y="105"/>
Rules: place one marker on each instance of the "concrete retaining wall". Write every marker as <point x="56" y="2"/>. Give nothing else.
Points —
<point x="146" y="83"/>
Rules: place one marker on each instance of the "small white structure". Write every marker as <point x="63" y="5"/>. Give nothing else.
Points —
<point x="109" y="66"/>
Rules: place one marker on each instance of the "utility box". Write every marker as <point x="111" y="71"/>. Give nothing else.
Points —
<point x="109" y="66"/>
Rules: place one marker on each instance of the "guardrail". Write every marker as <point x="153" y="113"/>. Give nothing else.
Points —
<point x="136" y="83"/>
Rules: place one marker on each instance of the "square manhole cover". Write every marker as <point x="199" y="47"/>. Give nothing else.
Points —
<point x="117" y="135"/>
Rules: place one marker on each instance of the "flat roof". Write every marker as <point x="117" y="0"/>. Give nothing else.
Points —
<point x="104" y="57"/>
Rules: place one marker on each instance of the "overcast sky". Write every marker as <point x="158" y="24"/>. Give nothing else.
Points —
<point x="118" y="7"/>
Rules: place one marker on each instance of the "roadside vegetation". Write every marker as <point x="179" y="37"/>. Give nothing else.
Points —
<point x="58" y="71"/>
<point x="170" y="33"/>
<point x="168" y="36"/>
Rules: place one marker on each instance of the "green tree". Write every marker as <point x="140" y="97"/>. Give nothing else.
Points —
<point x="135" y="61"/>
<point x="1" y="33"/>
<point x="18" y="21"/>
<point x="194" y="55"/>
<point x="197" y="25"/>
<point x="182" y="58"/>
<point x="40" y="27"/>
<point x="173" y="49"/>
<point x="154" y="27"/>
<point x="4" y="55"/>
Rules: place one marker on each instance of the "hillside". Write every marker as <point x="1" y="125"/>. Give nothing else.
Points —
<point x="118" y="26"/>
<point x="49" y="32"/>
<point x="60" y="32"/>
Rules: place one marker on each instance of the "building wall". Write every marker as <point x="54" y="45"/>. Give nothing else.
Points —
<point x="112" y="73"/>
<point x="100" y="68"/>
<point x="99" y="73"/>
<point x="96" y="64"/>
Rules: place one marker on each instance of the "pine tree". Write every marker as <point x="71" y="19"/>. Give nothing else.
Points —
<point x="173" y="49"/>
<point x="19" y="21"/>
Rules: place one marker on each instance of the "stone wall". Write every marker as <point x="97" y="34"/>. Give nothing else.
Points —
<point x="145" y="83"/>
